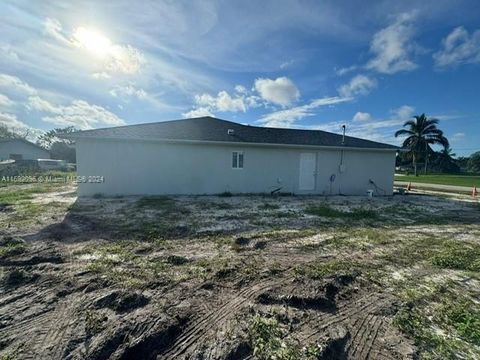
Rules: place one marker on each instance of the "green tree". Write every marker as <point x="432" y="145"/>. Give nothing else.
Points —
<point x="47" y="139"/>
<point x="6" y="133"/>
<point x="420" y="133"/>
<point x="473" y="164"/>
<point x="61" y="149"/>
<point x="445" y="160"/>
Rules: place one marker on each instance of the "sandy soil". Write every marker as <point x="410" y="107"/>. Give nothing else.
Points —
<point x="186" y="277"/>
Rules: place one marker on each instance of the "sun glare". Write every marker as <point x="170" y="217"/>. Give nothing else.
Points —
<point x="93" y="41"/>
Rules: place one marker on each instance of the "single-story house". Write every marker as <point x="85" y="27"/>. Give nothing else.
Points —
<point x="211" y="156"/>
<point x="20" y="149"/>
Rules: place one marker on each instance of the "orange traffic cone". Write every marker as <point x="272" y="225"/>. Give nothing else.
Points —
<point x="409" y="186"/>
<point x="474" y="191"/>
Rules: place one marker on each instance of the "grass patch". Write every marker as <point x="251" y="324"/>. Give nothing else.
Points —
<point x="372" y="236"/>
<point x="124" y="264"/>
<point x="443" y="179"/>
<point x="268" y="339"/>
<point x="14" y="194"/>
<point x="169" y="207"/>
<point x="11" y="247"/>
<point x="458" y="255"/>
<point x="268" y="206"/>
<point x="319" y="270"/>
<point x="329" y="212"/>
<point x="222" y="205"/>
<point x="156" y="202"/>
<point x="157" y="231"/>
<point x="442" y="320"/>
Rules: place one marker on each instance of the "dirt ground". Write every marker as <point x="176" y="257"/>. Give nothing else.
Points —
<point x="240" y="277"/>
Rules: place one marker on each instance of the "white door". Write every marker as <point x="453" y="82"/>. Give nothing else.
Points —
<point x="307" y="171"/>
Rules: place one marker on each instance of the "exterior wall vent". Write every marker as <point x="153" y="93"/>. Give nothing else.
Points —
<point x="230" y="131"/>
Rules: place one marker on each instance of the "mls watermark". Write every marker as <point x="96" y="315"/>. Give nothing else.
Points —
<point x="80" y="179"/>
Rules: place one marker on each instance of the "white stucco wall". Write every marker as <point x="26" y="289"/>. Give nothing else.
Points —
<point x="28" y="151"/>
<point x="136" y="167"/>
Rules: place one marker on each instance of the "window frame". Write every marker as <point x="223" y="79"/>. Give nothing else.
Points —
<point x="238" y="152"/>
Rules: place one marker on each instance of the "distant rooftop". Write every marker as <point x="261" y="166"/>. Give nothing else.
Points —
<point x="211" y="129"/>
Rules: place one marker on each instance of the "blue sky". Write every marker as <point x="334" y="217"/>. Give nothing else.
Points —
<point x="304" y="64"/>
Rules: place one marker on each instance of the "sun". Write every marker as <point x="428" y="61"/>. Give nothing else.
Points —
<point x="92" y="41"/>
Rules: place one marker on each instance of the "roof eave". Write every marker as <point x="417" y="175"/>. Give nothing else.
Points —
<point x="235" y="143"/>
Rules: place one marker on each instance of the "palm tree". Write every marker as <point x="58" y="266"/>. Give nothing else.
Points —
<point x="420" y="134"/>
<point x="447" y="152"/>
<point x="446" y="162"/>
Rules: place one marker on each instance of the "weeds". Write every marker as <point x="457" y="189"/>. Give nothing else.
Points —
<point x="329" y="212"/>
<point x="164" y="203"/>
<point x="268" y="206"/>
<point x="459" y="256"/>
<point x="319" y="270"/>
<point x="463" y="316"/>
<point x="442" y="321"/>
<point x="268" y="339"/>
<point x="222" y="205"/>
<point x="11" y="247"/>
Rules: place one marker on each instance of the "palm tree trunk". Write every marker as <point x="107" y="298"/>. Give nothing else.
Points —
<point x="414" y="164"/>
<point x="426" y="157"/>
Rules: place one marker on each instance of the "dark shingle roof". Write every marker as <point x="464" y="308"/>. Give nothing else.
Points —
<point x="212" y="129"/>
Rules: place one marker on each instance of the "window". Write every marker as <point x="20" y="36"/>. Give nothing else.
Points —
<point x="237" y="160"/>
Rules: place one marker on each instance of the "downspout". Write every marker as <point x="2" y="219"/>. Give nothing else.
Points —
<point x="340" y="167"/>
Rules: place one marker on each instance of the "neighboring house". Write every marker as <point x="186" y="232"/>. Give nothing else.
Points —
<point x="210" y="156"/>
<point x="20" y="149"/>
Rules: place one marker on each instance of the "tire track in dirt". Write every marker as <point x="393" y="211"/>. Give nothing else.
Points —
<point x="52" y="331"/>
<point x="192" y="336"/>
<point x="361" y="320"/>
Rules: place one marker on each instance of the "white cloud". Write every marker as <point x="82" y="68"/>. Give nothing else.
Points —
<point x="459" y="47"/>
<point x="240" y="101"/>
<point x="101" y="75"/>
<point x="346" y="70"/>
<point x="198" y="112"/>
<point x="393" y="46"/>
<point x="39" y="104"/>
<point x="128" y="90"/>
<point x="287" y="64"/>
<point x="13" y="124"/>
<point x="241" y="89"/>
<point x="13" y="85"/>
<point x="382" y="130"/>
<point x="7" y="54"/>
<point x="288" y="117"/>
<point x="403" y="113"/>
<point x="362" y="117"/>
<point x="79" y="113"/>
<point x="222" y="102"/>
<point x="115" y="58"/>
<point x="281" y="91"/>
<point x="124" y="59"/>
<point x="53" y="28"/>
<point x="459" y="136"/>
<point x="358" y="85"/>
<point x="5" y="101"/>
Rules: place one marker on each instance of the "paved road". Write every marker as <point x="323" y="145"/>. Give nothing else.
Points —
<point x="449" y="188"/>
